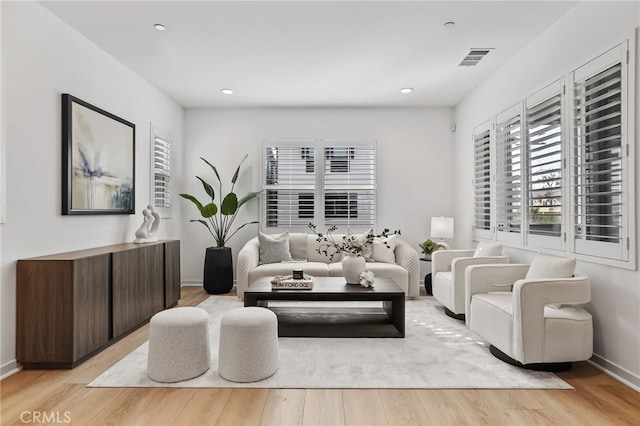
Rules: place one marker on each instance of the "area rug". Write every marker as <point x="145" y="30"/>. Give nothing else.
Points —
<point x="437" y="352"/>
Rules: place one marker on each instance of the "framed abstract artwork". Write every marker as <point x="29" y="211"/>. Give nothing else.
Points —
<point x="98" y="160"/>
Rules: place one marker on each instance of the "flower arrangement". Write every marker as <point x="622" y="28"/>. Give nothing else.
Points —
<point x="355" y="244"/>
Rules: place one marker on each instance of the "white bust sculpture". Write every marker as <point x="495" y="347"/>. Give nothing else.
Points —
<point x="146" y="233"/>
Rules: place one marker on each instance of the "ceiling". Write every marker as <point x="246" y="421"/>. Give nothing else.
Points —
<point x="310" y="53"/>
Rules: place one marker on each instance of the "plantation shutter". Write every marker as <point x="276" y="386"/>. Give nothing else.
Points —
<point x="349" y="186"/>
<point x="482" y="181"/>
<point x="289" y="184"/>
<point x="599" y="155"/>
<point x="509" y="175"/>
<point x="544" y="167"/>
<point x="161" y="172"/>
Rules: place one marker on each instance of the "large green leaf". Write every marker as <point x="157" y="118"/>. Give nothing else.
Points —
<point x="208" y="188"/>
<point x="229" y="204"/>
<point x="235" y="175"/>
<point x="193" y="199"/>
<point x="250" y="196"/>
<point x="212" y="168"/>
<point x="209" y="210"/>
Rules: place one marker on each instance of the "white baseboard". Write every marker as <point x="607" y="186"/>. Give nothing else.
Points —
<point x="9" y="369"/>
<point x="616" y="372"/>
<point x="190" y="283"/>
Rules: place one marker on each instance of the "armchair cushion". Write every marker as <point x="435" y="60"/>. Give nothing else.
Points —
<point x="544" y="266"/>
<point x="274" y="248"/>
<point x="488" y="248"/>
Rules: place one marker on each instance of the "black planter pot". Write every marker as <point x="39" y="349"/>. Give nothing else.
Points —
<point x="218" y="270"/>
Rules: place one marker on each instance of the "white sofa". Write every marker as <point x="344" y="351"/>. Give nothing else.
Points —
<point x="405" y="271"/>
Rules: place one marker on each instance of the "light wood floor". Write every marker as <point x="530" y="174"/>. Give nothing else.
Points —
<point x="39" y="396"/>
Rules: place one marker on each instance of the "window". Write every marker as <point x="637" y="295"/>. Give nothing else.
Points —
<point x="336" y="187"/>
<point x="562" y="166"/>
<point x="509" y="175"/>
<point x="161" y="169"/>
<point x="482" y="181"/>
<point x="290" y="185"/>
<point x="545" y="167"/>
<point x="599" y="157"/>
<point x="349" y="186"/>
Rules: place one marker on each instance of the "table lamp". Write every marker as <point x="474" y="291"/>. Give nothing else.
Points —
<point x="442" y="227"/>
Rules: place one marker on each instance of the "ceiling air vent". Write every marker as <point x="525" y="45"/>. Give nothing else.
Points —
<point x="473" y="57"/>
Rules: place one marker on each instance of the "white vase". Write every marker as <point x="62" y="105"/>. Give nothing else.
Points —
<point x="352" y="267"/>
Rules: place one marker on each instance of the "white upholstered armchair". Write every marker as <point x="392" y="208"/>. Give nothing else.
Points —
<point x="529" y="318"/>
<point x="448" y="273"/>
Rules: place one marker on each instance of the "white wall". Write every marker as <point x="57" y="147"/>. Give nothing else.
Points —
<point x="413" y="163"/>
<point x="43" y="57"/>
<point x="586" y="31"/>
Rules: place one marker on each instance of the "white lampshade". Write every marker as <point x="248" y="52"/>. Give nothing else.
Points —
<point x="442" y="227"/>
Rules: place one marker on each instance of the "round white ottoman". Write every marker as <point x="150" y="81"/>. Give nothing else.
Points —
<point x="248" y="349"/>
<point x="178" y="344"/>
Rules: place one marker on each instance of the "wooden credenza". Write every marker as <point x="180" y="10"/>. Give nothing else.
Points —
<point x="72" y="305"/>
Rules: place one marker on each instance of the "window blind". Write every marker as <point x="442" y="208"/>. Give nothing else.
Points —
<point x="544" y="167"/>
<point x="509" y="176"/>
<point x="598" y="157"/>
<point x="349" y="186"/>
<point x="161" y="172"/>
<point x="290" y="186"/>
<point x="482" y="181"/>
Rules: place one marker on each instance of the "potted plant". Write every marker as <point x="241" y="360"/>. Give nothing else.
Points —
<point x="218" y="265"/>
<point x="428" y="247"/>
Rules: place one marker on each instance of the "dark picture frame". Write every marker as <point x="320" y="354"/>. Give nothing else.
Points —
<point x="98" y="160"/>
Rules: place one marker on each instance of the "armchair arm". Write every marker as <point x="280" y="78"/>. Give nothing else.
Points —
<point x="529" y="300"/>
<point x="458" y="267"/>
<point x="486" y="278"/>
<point x="441" y="259"/>
<point x="248" y="259"/>
<point x="407" y="257"/>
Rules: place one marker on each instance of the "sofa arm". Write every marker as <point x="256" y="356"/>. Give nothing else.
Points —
<point x="248" y="259"/>
<point x="407" y="257"/>
<point x="486" y="278"/>
<point x="529" y="300"/>
<point x="441" y="260"/>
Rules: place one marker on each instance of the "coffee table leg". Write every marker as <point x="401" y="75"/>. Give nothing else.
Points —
<point x="395" y="311"/>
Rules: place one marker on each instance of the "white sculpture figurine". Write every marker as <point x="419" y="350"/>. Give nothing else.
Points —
<point x="146" y="232"/>
<point x="367" y="278"/>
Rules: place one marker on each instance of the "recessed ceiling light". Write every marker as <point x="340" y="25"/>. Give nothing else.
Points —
<point x="449" y="24"/>
<point x="159" y="27"/>
<point x="227" y="91"/>
<point x="406" y="90"/>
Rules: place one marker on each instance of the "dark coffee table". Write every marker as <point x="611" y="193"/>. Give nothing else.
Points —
<point x="331" y="321"/>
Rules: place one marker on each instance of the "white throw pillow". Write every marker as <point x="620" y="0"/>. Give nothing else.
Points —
<point x="382" y="253"/>
<point x="274" y="248"/>
<point x="550" y="267"/>
<point x="488" y="248"/>
<point x="361" y="239"/>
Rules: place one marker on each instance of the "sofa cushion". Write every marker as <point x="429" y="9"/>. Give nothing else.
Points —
<point x="298" y="245"/>
<point x="362" y="240"/>
<point x="274" y="248"/>
<point x="488" y="248"/>
<point x="382" y="253"/>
